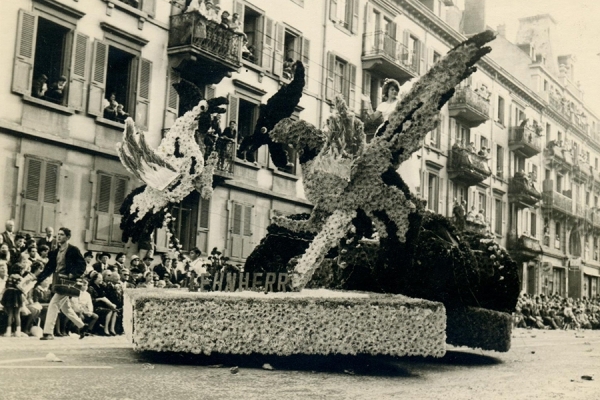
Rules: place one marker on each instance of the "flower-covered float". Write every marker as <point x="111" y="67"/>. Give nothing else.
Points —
<point x="368" y="237"/>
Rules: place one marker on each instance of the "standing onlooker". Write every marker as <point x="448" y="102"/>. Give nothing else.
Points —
<point x="89" y="266"/>
<point x="48" y="240"/>
<point x="163" y="268"/>
<point x="64" y="262"/>
<point x="8" y="236"/>
<point x="12" y="301"/>
<point x="119" y="262"/>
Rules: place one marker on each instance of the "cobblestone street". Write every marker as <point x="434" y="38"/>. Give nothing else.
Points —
<point x="540" y="365"/>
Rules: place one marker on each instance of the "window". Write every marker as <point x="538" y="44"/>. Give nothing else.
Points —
<point x="341" y="79"/>
<point x="40" y="194"/>
<point x="414" y="52"/>
<point x="499" y="216"/>
<point x="247" y="115"/>
<point x="545" y="85"/>
<point x="260" y="33"/>
<point x="120" y="75"/>
<point x="534" y="173"/>
<point x="519" y="163"/>
<point x="559" y="281"/>
<point x="290" y="46"/>
<point x="50" y="60"/>
<point x="436" y="57"/>
<point x="483" y="143"/>
<point x="435" y="136"/>
<point x="482" y="202"/>
<point x="191" y="222"/>
<point x="241" y="218"/>
<point x="461" y="193"/>
<point x="144" y="5"/>
<point x="463" y="134"/>
<point x="559" y="136"/>
<point x="501" y="110"/>
<point x="548" y="133"/>
<point x="499" y="161"/>
<point x="345" y="12"/>
<point x="558" y="235"/>
<point x="559" y="183"/>
<point x="533" y="224"/>
<point x="433" y="191"/>
<point x="110" y="193"/>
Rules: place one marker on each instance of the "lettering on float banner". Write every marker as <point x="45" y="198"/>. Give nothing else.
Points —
<point x="236" y="281"/>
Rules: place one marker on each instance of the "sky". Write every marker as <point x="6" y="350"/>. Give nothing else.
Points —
<point x="577" y="32"/>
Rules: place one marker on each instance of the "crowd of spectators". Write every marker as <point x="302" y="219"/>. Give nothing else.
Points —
<point x="100" y="305"/>
<point x="557" y="312"/>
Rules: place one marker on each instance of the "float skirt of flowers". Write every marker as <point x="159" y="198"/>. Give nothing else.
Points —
<point x="479" y="328"/>
<point x="309" y="322"/>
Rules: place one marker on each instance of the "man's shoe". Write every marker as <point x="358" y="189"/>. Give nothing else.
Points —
<point x="83" y="330"/>
<point x="47" y="336"/>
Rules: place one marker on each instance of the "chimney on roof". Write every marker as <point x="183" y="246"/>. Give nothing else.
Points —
<point x="474" y="17"/>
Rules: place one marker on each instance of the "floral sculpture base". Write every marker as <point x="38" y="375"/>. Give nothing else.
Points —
<point x="311" y="322"/>
<point x="479" y="328"/>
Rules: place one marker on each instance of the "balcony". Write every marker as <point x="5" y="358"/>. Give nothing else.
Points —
<point x="555" y="201"/>
<point x="469" y="107"/>
<point x="522" y="192"/>
<point x="556" y="103"/>
<point x="524" y="141"/>
<point x="582" y="171"/>
<point x="203" y="49"/>
<point x="524" y="247"/>
<point x="467" y="167"/>
<point x="387" y="57"/>
<point x="558" y="156"/>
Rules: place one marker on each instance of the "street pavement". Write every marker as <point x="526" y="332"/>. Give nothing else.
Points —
<point x="540" y="365"/>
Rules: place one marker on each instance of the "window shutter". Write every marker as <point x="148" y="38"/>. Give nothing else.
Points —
<point x="369" y="23"/>
<point x="78" y="68"/>
<point x="248" y="220"/>
<point x="333" y="10"/>
<point x="442" y="197"/>
<point x="352" y="86"/>
<point x="103" y="209"/>
<point x="267" y="51"/>
<point x="329" y="90"/>
<point x="204" y="213"/>
<point x="119" y="196"/>
<point x="306" y="57"/>
<point x="25" y="53"/>
<point x="354" y="23"/>
<point x="236" y="227"/>
<point x="210" y="92"/>
<point x="143" y="94"/>
<point x="149" y="7"/>
<point x="366" y="83"/>
<point x="172" y="108"/>
<point x="51" y="184"/>
<point x="34" y="174"/>
<point x="405" y="57"/>
<point x="232" y="109"/>
<point x="423" y="58"/>
<point x="279" y="48"/>
<point x="98" y="79"/>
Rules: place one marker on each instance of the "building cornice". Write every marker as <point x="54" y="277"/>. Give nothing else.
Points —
<point x="138" y="40"/>
<point x="63" y="8"/>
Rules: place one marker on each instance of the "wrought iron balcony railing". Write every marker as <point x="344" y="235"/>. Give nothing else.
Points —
<point x="525" y="140"/>
<point x="386" y="55"/>
<point x="469" y="106"/>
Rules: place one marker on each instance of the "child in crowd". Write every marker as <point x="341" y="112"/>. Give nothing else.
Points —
<point x="12" y="301"/>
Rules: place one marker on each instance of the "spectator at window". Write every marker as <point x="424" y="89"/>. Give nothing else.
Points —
<point x="40" y="86"/>
<point x="121" y="114"/>
<point x="110" y="107"/>
<point x="56" y="92"/>
<point x="471" y="214"/>
<point x="288" y="68"/>
<point x="105" y="309"/>
<point x="225" y="145"/>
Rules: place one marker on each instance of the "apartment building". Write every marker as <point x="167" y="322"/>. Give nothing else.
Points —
<point x="516" y="142"/>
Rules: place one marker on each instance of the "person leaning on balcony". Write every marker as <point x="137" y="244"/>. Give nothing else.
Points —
<point x="235" y="24"/>
<point x="40" y="86"/>
<point x="225" y="22"/>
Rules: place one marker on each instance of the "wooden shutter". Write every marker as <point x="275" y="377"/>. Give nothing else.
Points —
<point x="142" y="106"/>
<point x="247" y="231"/>
<point x="209" y="92"/>
<point x="172" y="108"/>
<point x="40" y="196"/>
<point x="267" y="44"/>
<point x="103" y="209"/>
<point x="422" y="58"/>
<point x="354" y="22"/>
<point x="369" y="23"/>
<point x="98" y="79"/>
<point x="306" y="57"/>
<point x="351" y="86"/>
<point x="279" y="48"/>
<point x="202" y="237"/>
<point x="329" y="90"/>
<point x="366" y="90"/>
<point x="120" y="190"/>
<point x="78" y="68"/>
<point x="149" y="7"/>
<point x="232" y="109"/>
<point x="333" y="10"/>
<point x="24" y="53"/>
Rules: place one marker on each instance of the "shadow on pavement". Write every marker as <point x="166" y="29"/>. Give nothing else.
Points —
<point x="366" y="365"/>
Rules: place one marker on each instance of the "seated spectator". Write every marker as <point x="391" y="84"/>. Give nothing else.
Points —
<point x="114" y="293"/>
<point x="126" y="279"/>
<point x="84" y="307"/>
<point x="105" y="309"/>
<point x="89" y="266"/>
<point x="40" y="86"/>
<point x="32" y="310"/>
<point x="120" y="262"/>
<point x="56" y="92"/>
<point x="162" y="268"/>
<point x="5" y="253"/>
<point x="102" y="263"/>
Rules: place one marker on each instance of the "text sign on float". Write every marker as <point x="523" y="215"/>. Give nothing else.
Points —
<point x="233" y="281"/>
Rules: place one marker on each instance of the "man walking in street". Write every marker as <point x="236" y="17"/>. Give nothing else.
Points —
<point x="64" y="262"/>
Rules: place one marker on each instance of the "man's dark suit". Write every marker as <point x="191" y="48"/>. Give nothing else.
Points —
<point x="52" y="244"/>
<point x="74" y="261"/>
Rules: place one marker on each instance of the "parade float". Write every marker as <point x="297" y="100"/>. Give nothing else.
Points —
<point x="368" y="271"/>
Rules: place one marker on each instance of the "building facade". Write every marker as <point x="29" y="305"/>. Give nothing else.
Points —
<point x="516" y="142"/>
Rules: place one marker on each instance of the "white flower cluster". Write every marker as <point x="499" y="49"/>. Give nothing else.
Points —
<point x="208" y="323"/>
<point x="181" y="138"/>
